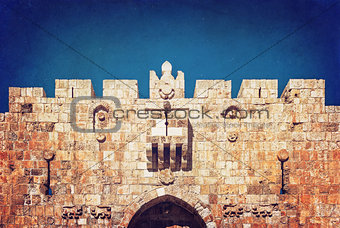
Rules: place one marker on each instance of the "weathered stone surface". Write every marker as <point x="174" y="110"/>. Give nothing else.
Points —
<point x="26" y="108"/>
<point x="225" y="169"/>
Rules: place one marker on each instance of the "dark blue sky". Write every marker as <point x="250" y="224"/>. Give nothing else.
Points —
<point x="204" y="39"/>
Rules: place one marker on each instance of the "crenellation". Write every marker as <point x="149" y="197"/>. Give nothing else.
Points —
<point x="256" y="88"/>
<point x="310" y="89"/>
<point x="212" y="89"/>
<point x="14" y="92"/>
<point x="307" y="90"/>
<point x="19" y="95"/>
<point x="73" y="88"/>
<point x="122" y="89"/>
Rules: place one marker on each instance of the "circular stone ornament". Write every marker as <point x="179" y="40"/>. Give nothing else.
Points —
<point x="283" y="155"/>
<point x="50" y="220"/>
<point x="101" y="116"/>
<point x="232" y="137"/>
<point x="101" y="138"/>
<point x="48" y="155"/>
<point x="166" y="177"/>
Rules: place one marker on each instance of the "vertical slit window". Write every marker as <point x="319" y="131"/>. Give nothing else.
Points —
<point x="155" y="156"/>
<point x="178" y="157"/>
<point x="166" y="155"/>
<point x="260" y="92"/>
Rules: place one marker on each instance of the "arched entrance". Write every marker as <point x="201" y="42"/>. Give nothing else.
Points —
<point x="166" y="211"/>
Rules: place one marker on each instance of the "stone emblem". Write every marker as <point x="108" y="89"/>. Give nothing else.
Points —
<point x="101" y="212"/>
<point x="166" y="177"/>
<point x="232" y="137"/>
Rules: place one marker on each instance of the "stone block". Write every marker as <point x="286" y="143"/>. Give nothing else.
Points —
<point x="118" y="87"/>
<point x="212" y="89"/>
<point x="14" y="92"/>
<point x="38" y="92"/>
<point x="258" y="89"/>
<point x="304" y="89"/>
<point x="48" y="117"/>
<point x="61" y="84"/>
<point x="73" y="88"/>
<point x="92" y="199"/>
<point x="219" y="172"/>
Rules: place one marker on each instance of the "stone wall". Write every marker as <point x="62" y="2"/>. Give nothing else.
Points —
<point x="223" y="164"/>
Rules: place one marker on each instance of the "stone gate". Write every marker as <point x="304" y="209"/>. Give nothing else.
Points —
<point x="207" y="161"/>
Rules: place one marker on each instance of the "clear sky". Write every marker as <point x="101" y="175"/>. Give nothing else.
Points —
<point x="41" y="41"/>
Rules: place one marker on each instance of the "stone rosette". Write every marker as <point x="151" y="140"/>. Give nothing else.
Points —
<point x="166" y="176"/>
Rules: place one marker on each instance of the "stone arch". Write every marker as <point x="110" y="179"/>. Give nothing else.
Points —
<point x="184" y="198"/>
<point x="95" y="108"/>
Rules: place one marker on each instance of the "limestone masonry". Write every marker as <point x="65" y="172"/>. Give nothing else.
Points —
<point x="169" y="161"/>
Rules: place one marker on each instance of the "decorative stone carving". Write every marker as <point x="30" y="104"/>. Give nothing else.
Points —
<point x="26" y="108"/>
<point x="72" y="212"/>
<point x="101" y="121"/>
<point x="229" y="210"/>
<point x="96" y="107"/>
<point x="232" y="112"/>
<point x="101" y="116"/>
<point x="166" y="177"/>
<point x="169" y="143"/>
<point x="166" y="67"/>
<point x="284" y="220"/>
<point x="48" y="155"/>
<point x="178" y="158"/>
<point x="167" y="87"/>
<point x="101" y="212"/>
<point x="50" y="220"/>
<point x="283" y="155"/>
<point x="262" y="210"/>
<point x="232" y="137"/>
<point x="290" y="94"/>
<point x="101" y="138"/>
<point x="166" y="92"/>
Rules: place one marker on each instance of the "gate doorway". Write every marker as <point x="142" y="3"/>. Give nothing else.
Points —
<point x="165" y="212"/>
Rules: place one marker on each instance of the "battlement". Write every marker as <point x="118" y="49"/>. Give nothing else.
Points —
<point x="212" y="89"/>
<point x="258" y="89"/>
<point x="73" y="88"/>
<point x="121" y="88"/>
<point x="304" y="89"/>
<point x="26" y="92"/>
<point x="167" y="87"/>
